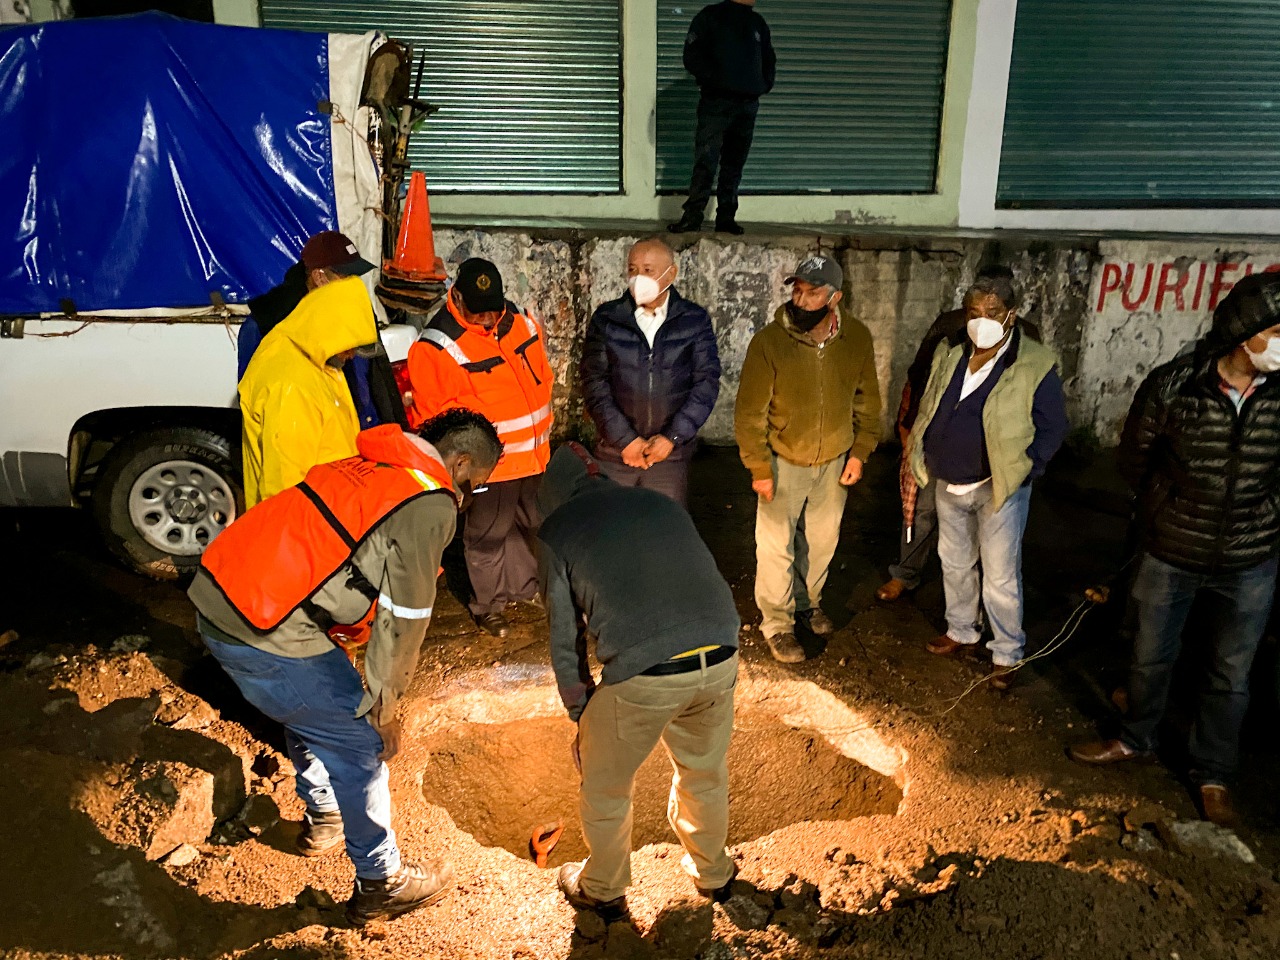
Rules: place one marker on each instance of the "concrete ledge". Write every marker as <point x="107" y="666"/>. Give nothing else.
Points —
<point x="1113" y="308"/>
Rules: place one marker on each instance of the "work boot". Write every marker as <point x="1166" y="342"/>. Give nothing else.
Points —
<point x="1215" y="805"/>
<point x="819" y="622"/>
<point x="321" y="833"/>
<point x="785" y="648"/>
<point x="414" y="885"/>
<point x="731" y="227"/>
<point x="568" y="881"/>
<point x="495" y="624"/>
<point x="686" y="224"/>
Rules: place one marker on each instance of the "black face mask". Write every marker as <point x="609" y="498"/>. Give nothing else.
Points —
<point x="805" y="320"/>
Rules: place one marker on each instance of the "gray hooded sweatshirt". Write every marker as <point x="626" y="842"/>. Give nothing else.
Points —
<point x="632" y="562"/>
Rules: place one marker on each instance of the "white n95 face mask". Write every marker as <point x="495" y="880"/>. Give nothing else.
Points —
<point x="646" y="289"/>
<point x="986" y="332"/>
<point x="1268" y="361"/>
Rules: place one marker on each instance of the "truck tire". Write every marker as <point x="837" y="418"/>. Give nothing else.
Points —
<point x="164" y="495"/>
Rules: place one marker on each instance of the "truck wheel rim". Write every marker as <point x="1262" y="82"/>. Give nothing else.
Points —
<point x="179" y="506"/>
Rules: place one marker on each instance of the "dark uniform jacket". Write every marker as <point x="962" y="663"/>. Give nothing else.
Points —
<point x="633" y="390"/>
<point x="1207" y="476"/>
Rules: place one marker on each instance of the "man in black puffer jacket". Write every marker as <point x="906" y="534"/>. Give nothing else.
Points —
<point x="650" y="375"/>
<point x="1202" y="449"/>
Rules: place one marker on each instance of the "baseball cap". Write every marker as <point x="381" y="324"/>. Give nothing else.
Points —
<point x="818" y="269"/>
<point x="480" y="285"/>
<point x="331" y="250"/>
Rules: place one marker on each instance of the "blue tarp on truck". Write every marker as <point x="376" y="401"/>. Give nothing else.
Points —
<point x="151" y="162"/>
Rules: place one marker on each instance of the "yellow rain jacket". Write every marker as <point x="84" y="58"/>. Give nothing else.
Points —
<point x="297" y="410"/>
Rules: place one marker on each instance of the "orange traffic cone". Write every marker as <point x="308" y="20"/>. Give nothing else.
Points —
<point x="415" y="257"/>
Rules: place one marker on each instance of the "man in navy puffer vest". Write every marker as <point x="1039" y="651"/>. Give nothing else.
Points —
<point x="650" y="375"/>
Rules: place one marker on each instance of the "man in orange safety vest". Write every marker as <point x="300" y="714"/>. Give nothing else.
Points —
<point x="482" y="352"/>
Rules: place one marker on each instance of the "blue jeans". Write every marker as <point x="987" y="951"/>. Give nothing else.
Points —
<point x="969" y="531"/>
<point x="913" y="556"/>
<point x="1241" y="605"/>
<point x="335" y="753"/>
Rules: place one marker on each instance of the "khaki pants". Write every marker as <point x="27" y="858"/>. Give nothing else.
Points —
<point x="692" y="715"/>
<point x="796" y="536"/>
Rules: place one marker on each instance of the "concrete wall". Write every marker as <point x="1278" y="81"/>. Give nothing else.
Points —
<point x="1112" y="309"/>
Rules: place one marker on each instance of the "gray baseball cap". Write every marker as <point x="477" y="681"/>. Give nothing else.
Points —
<point x="818" y="269"/>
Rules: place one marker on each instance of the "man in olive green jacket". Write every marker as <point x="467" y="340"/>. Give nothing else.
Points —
<point x="807" y="416"/>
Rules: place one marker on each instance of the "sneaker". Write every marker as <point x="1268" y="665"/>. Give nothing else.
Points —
<point x="568" y="881"/>
<point x="819" y="622"/>
<point x="495" y="624"/>
<point x="730" y="227"/>
<point x="685" y="224"/>
<point x="785" y="648"/>
<point x="414" y="885"/>
<point x="321" y="833"/>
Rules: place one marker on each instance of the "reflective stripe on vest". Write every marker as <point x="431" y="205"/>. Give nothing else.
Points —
<point x="442" y="340"/>
<point x="529" y="421"/>
<point x="271" y="560"/>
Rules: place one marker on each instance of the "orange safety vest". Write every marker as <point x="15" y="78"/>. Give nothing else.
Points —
<point x="271" y="560"/>
<point x="503" y="374"/>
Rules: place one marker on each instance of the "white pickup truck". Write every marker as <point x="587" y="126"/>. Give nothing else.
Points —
<point x="205" y="159"/>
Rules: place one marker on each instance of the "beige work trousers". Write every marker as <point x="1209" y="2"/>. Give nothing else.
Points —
<point x="692" y="715"/>
<point x="796" y="536"/>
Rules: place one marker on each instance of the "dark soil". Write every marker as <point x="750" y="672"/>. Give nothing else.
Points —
<point x="1000" y="846"/>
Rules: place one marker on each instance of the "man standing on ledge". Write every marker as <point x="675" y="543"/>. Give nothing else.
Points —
<point x="730" y="53"/>
<point x="807" y="417"/>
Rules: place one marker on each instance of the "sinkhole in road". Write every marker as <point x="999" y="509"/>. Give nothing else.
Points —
<point x="498" y="780"/>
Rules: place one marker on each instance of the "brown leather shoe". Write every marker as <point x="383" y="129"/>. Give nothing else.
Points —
<point x="1101" y="753"/>
<point x="1215" y="805"/>
<point x="1000" y="677"/>
<point x="892" y="590"/>
<point x="944" y="646"/>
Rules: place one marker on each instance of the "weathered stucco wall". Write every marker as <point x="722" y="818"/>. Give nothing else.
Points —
<point x="1113" y="309"/>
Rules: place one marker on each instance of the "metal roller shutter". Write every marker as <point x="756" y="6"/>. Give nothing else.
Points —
<point x="530" y="90"/>
<point x="856" y="107"/>
<point x="1143" y="104"/>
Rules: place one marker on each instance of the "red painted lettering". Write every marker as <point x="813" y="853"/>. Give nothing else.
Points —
<point x="1195" y="304"/>
<point x="1274" y="268"/>
<point x="1221" y="285"/>
<point x="1110" y="283"/>
<point x="1175" y="287"/>
<point x="1126" y="295"/>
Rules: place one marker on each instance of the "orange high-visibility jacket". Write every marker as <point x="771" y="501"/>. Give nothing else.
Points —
<point x="502" y="373"/>
<point x="271" y="560"/>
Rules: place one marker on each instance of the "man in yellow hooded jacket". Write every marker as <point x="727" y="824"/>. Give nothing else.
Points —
<point x="295" y="403"/>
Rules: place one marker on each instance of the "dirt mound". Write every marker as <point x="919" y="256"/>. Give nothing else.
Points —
<point x="498" y="781"/>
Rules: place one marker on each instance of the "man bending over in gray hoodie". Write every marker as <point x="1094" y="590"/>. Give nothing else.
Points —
<point x="630" y="563"/>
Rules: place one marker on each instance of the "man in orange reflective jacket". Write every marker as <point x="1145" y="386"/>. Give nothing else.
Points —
<point x="482" y="352"/>
<point x="365" y="530"/>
